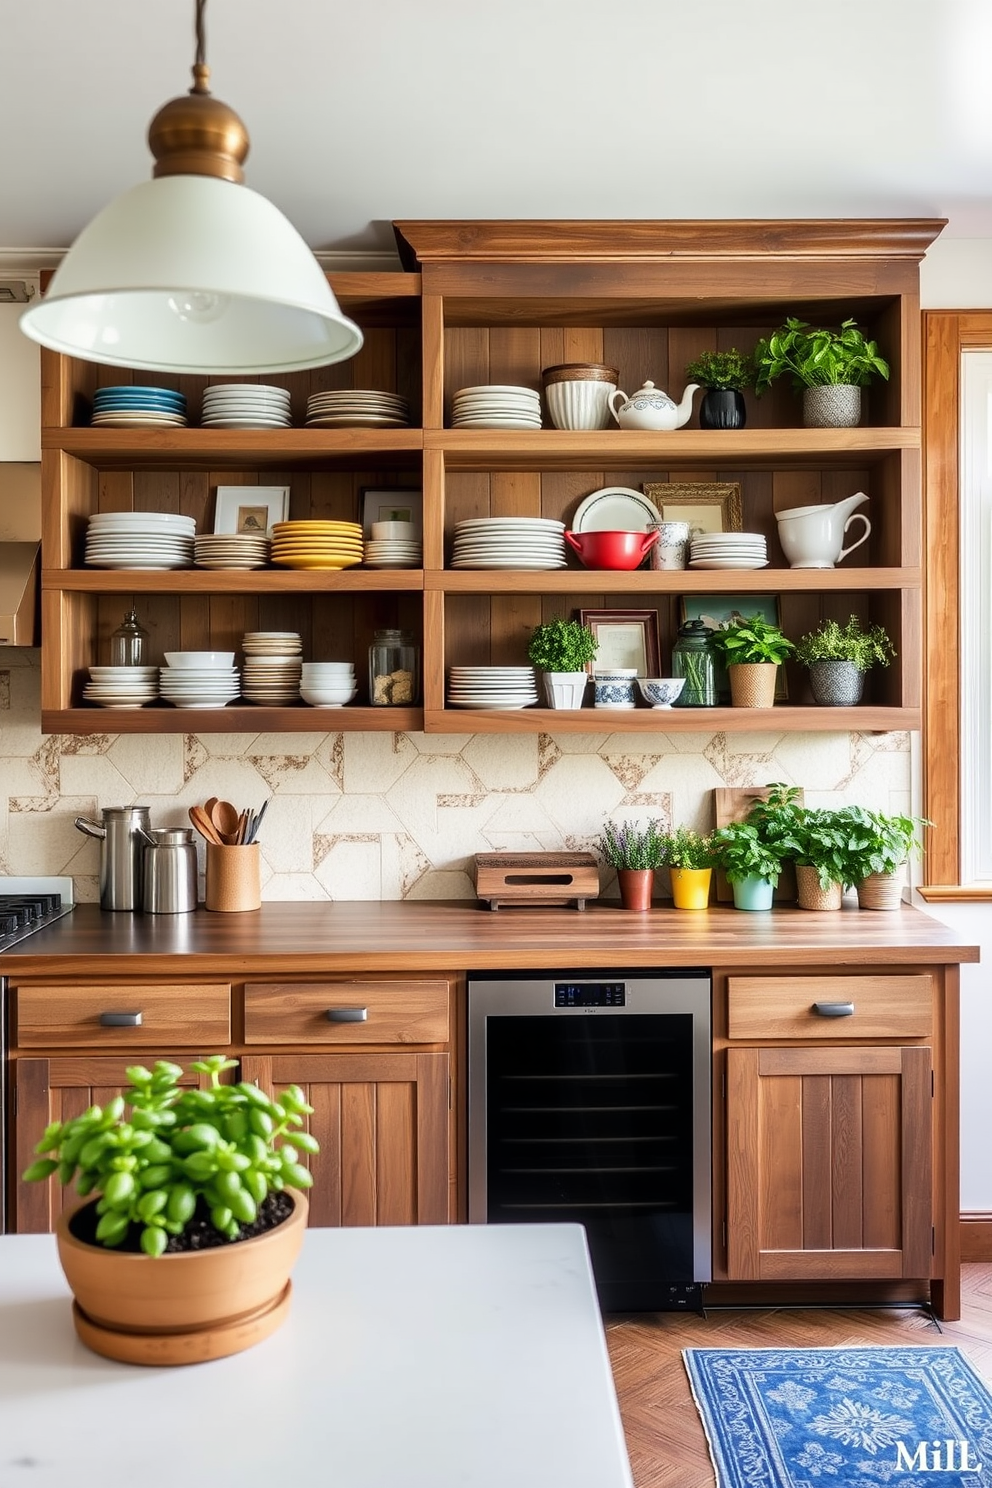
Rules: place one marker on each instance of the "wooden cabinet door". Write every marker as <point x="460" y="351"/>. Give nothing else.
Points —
<point x="46" y="1090"/>
<point x="382" y="1123"/>
<point x="829" y="1163"/>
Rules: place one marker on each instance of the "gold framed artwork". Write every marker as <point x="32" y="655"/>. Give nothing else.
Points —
<point x="708" y="506"/>
<point x="716" y="609"/>
<point x="627" y="638"/>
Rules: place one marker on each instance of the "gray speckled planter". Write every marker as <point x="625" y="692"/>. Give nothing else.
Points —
<point x="836" y="684"/>
<point x="835" y="407"/>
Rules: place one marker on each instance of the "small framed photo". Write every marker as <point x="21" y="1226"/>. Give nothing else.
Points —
<point x="712" y="506"/>
<point x="250" y="509"/>
<point x="399" y="505"/>
<point x="627" y="638"/>
<point x="716" y="609"/>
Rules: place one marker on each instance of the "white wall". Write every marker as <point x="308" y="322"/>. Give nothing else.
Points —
<point x="956" y="274"/>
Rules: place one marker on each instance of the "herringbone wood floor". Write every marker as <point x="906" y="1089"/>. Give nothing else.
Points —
<point x="664" y="1435"/>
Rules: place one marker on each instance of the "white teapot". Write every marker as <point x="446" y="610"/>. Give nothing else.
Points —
<point x="650" y="408"/>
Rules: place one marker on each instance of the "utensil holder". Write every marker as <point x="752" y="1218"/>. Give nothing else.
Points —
<point x="233" y="877"/>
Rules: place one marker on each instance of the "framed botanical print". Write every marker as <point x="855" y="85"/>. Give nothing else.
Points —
<point x="627" y="638"/>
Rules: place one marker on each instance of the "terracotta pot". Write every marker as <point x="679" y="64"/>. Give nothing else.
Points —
<point x="752" y="684"/>
<point x="809" y="895"/>
<point x="691" y="887"/>
<point x="882" y="890"/>
<point x="181" y="1308"/>
<point x="636" y="887"/>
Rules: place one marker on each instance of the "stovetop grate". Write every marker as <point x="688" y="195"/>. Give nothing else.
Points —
<point x="29" y="904"/>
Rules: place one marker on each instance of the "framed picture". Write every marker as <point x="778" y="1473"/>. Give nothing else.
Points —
<point x="715" y="609"/>
<point x="707" y="506"/>
<point x="399" y="505"/>
<point x="627" y="638"/>
<point x="250" y="509"/>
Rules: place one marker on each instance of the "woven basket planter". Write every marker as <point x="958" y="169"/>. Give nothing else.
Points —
<point x="809" y="895"/>
<point x="882" y="890"/>
<point x="752" y="684"/>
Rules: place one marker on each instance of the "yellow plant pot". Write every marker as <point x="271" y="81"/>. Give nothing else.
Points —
<point x="691" y="887"/>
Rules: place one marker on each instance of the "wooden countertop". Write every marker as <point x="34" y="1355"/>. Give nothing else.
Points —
<point x="458" y="936"/>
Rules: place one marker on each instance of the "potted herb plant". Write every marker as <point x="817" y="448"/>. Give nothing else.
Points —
<point x="837" y="657"/>
<point x="197" y="1214"/>
<point x="881" y="846"/>
<point x="688" y="856"/>
<point x="635" y="852"/>
<point x="725" y="375"/>
<point x="752" y="649"/>
<point x="819" y="842"/>
<point x="562" y="649"/>
<point x="830" y="367"/>
<point x="751" y="862"/>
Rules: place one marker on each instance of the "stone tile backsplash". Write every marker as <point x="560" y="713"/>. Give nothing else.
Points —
<point x="398" y="816"/>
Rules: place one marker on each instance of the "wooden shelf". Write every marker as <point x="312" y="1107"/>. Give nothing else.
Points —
<point x="241" y="718"/>
<point x="254" y="581"/>
<point x="236" y="449"/>
<point x="684" y="581"/>
<point x="780" y="719"/>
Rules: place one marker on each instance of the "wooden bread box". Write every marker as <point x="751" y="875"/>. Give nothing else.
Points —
<point x="537" y="879"/>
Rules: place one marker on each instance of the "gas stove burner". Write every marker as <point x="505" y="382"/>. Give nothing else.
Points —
<point x="28" y="904"/>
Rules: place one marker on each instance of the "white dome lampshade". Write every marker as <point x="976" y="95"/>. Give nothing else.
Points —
<point x="192" y="271"/>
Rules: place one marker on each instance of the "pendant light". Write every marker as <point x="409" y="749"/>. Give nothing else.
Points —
<point x="192" y="271"/>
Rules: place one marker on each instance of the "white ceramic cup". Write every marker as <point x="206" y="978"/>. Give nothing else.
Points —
<point x="579" y="405"/>
<point x="672" y="548"/>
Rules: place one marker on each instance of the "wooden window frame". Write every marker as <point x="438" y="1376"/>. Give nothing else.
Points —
<point x="946" y="334"/>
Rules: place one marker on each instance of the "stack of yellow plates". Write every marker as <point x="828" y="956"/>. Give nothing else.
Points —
<point x="317" y="544"/>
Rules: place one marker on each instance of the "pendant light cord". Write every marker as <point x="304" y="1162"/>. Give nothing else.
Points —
<point x="201" y="72"/>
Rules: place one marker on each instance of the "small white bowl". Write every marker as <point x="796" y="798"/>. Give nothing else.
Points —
<point x="328" y="669"/>
<point x="660" y="692"/>
<point x="392" y="529"/>
<point x="181" y="660"/>
<point x="327" y="697"/>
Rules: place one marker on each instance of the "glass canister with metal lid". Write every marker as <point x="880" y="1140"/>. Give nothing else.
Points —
<point x="693" y="659"/>
<point x="394" y="669"/>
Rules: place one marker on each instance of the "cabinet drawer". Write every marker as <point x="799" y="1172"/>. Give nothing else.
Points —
<point x="834" y="1008"/>
<point x="127" y="1015"/>
<point x="347" y="1012"/>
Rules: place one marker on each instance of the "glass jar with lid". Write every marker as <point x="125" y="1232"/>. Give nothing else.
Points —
<point x="129" y="642"/>
<point x="693" y="659"/>
<point x="394" y="669"/>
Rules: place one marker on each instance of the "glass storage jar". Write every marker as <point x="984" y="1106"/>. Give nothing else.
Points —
<point x="129" y="642"/>
<point x="394" y="669"/>
<point x="693" y="659"/>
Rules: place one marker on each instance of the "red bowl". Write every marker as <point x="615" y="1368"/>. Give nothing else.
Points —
<point x="612" y="549"/>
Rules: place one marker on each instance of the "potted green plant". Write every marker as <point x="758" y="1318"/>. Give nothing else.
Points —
<point x="752" y="649"/>
<point x="751" y="862"/>
<point x="635" y="852"/>
<point x="725" y="375"/>
<point x="562" y="649"/>
<point x="881" y="846"/>
<point x="819" y="842"/>
<point x="837" y="657"/>
<point x="830" y="367"/>
<point x="688" y="855"/>
<point x="197" y="1214"/>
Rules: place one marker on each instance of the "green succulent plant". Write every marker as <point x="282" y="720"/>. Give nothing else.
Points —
<point x="562" y="646"/>
<point x="817" y="357"/>
<point x="158" y="1155"/>
<point x="832" y="641"/>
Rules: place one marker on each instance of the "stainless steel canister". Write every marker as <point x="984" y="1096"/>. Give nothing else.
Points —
<point x="122" y="833"/>
<point x="169" y="878"/>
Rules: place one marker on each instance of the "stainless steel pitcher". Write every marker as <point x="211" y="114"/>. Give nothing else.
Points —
<point x="169" y="873"/>
<point x="123" y="833"/>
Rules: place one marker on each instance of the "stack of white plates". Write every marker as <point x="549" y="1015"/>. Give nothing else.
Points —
<point x="359" y="408"/>
<point x="496" y="406"/>
<point x="210" y="685"/>
<point x="121" y="686"/>
<point x="245" y="405"/>
<point x="392" y="552"/>
<point x="491" y="687"/>
<point x="508" y="542"/>
<point x="138" y="407"/>
<point x="728" y="550"/>
<point x="139" y="540"/>
<point x="231" y="550"/>
<point x="273" y="666"/>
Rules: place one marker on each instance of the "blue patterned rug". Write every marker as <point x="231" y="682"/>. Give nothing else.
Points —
<point x="843" y="1417"/>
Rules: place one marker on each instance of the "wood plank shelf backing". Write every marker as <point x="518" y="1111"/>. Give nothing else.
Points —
<point x="496" y="303"/>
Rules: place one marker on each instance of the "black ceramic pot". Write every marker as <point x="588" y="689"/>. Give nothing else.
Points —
<point x="722" y="408"/>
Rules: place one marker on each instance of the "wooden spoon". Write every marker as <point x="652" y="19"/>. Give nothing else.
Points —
<point x="225" y="821"/>
<point x="204" y="825"/>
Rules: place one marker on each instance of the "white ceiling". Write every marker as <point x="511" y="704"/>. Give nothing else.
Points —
<point x="367" y="111"/>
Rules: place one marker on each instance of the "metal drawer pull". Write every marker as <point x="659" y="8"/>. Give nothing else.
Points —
<point x="120" y="1020"/>
<point x="347" y="1015"/>
<point x="834" y="1009"/>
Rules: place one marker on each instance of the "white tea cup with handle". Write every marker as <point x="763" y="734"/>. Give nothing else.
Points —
<point x="813" y="536"/>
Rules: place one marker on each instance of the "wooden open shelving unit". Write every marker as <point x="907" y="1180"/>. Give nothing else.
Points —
<point x="497" y="302"/>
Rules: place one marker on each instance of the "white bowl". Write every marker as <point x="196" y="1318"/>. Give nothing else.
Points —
<point x="328" y="669"/>
<point x="660" y="692"/>
<point x="392" y="529"/>
<point x="211" y="660"/>
<point x="327" y="697"/>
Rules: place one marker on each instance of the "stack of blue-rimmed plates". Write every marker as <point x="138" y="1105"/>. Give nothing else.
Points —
<point x="138" y="407"/>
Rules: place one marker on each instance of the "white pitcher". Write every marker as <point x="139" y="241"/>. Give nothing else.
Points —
<point x="813" y="536"/>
